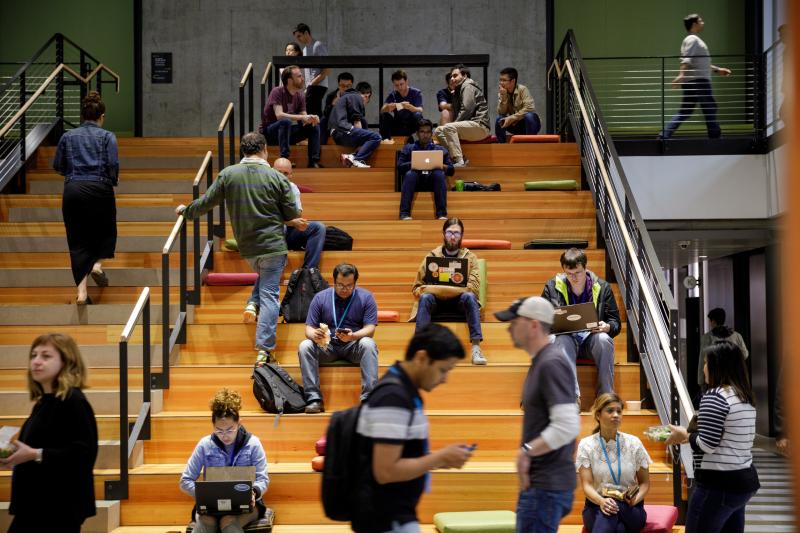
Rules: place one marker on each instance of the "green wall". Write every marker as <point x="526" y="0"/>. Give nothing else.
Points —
<point x="648" y="27"/>
<point x="104" y="29"/>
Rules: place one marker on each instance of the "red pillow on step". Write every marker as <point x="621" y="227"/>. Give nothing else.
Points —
<point x="486" y="244"/>
<point x="228" y="279"/>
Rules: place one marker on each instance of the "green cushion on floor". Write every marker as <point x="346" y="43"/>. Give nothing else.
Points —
<point x="231" y="244"/>
<point x="339" y="362"/>
<point x="476" y="521"/>
<point x="551" y="185"/>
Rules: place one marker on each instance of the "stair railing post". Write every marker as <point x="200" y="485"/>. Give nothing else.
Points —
<point x="23" y="148"/>
<point x="59" y="128"/>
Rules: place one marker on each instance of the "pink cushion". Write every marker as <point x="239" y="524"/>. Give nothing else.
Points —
<point x="388" y="316"/>
<point x="319" y="446"/>
<point x="231" y="278"/>
<point x="304" y="188"/>
<point x="486" y="140"/>
<point x="486" y="244"/>
<point x="660" y="519"/>
<point x="535" y="139"/>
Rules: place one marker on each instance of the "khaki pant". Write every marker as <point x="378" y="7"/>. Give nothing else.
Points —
<point x="449" y="134"/>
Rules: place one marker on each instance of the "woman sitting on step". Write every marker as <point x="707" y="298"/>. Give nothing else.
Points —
<point x="614" y="472"/>
<point x="229" y="444"/>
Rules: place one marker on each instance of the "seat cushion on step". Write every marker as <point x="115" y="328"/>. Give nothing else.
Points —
<point x="551" y="185"/>
<point x="486" y="244"/>
<point x="486" y="140"/>
<point x="321" y="445"/>
<point x="476" y="521"/>
<point x="555" y="244"/>
<point x="262" y="525"/>
<point x="660" y="519"/>
<point x="318" y="463"/>
<point x="304" y="188"/>
<point x="388" y="315"/>
<point x="229" y="279"/>
<point x="232" y="245"/>
<point x="534" y="139"/>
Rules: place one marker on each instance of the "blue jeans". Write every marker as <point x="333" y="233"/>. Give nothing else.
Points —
<point x="714" y="510"/>
<point x="597" y="346"/>
<point x="408" y="527"/>
<point x="540" y="511"/>
<point x="627" y="520"/>
<point x="696" y="92"/>
<point x="285" y="132"/>
<point x="367" y="140"/>
<point x="399" y="123"/>
<point x="467" y="303"/>
<point x="529" y="125"/>
<point x="364" y="351"/>
<point x="438" y="183"/>
<point x="269" y="278"/>
<point x="312" y="240"/>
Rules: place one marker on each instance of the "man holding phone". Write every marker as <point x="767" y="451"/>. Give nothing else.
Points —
<point x="350" y="316"/>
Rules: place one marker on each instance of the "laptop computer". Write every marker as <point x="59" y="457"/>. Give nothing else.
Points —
<point x="427" y="159"/>
<point x="450" y="271"/>
<point x="574" y="318"/>
<point x="223" y="497"/>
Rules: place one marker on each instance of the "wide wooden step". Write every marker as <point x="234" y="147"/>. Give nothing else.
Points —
<point x="331" y="528"/>
<point x="15" y="403"/>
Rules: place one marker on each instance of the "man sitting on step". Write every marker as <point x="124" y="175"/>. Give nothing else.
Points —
<point x="402" y="108"/>
<point x="301" y="234"/>
<point x="348" y="124"/>
<point x="350" y="315"/>
<point x="449" y="298"/>
<point x="516" y="113"/>
<point x="435" y="176"/>
<point x="577" y="285"/>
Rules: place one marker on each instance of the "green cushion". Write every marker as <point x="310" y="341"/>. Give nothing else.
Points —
<point x="482" y="291"/>
<point x="339" y="362"/>
<point x="551" y="185"/>
<point x="476" y="521"/>
<point x="231" y="244"/>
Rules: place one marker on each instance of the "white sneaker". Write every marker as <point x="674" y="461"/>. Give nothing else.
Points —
<point x="477" y="355"/>
<point x="359" y="163"/>
<point x="461" y="164"/>
<point x="250" y="313"/>
<point x="407" y="217"/>
<point x="387" y="141"/>
<point x="347" y="160"/>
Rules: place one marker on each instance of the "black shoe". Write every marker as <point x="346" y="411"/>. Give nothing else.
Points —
<point x="100" y="278"/>
<point x="87" y="301"/>
<point x="315" y="164"/>
<point x="314" y="408"/>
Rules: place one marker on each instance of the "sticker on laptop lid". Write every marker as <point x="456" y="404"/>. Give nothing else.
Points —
<point x="241" y="487"/>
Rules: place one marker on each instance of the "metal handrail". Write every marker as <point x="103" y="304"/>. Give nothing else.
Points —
<point x="263" y="86"/>
<point x="117" y="489"/>
<point x="56" y="71"/>
<point x="205" y="260"/>
<point x="227" y="121"/>
<point x="246" y="110"/>
<point x="170" y="336"/>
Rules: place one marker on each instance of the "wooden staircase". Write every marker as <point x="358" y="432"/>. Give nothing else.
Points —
<point x="478" y="404"/>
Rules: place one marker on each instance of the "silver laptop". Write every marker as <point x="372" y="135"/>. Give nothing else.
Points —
<point x="574" y="318"/>
<point x="427" y="159"/>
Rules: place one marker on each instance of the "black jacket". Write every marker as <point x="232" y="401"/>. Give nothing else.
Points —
<point x="603" y="298"/>
<point x="348" y="109"/>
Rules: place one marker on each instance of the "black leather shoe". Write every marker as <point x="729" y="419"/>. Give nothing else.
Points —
<point x="314" y="408"/>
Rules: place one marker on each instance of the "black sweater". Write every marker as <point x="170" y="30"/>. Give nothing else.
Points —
<point x="62" y="485"/>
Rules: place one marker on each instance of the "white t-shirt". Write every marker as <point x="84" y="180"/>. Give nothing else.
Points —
<point x="632" y="453"/>
<point x="317" y="48"/>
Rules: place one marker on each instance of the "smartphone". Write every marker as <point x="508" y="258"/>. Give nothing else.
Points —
<point x="472" y="447"/>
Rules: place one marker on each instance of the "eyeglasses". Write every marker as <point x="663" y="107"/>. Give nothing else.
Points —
<point x="575" y="275"/>
<point x="226" y="432"/>
<point x="450" y="233"/>
<point x="347" y="288"/>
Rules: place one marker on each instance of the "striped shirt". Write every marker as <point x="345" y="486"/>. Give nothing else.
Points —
<point x="725" y="432"/>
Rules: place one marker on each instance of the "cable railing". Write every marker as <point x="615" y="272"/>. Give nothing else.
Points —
<point x="651" y="310"/>
<point x="638" y="99"/>
<point x="117" y="489"/>
<point x="39" y="99"/>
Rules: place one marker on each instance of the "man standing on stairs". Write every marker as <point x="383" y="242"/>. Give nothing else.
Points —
<point x="260" y="201"/>
<point x="577" y="285"/>
<point x="301" y="234"/>
<point x="431" y="298"/>
<point x="550" y="423"/>
<point x="471" y="113"/>
<point x="316" y="78"/>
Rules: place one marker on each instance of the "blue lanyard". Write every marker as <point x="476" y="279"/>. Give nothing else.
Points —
<point x="618" y="477"/>
<point x="337" y="324"/>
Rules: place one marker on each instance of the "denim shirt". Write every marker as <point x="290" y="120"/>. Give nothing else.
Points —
<point x="88" y="153"/>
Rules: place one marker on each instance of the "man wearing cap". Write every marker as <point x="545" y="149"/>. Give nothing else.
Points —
<point x="551" y="421"/>
<point x="577" y="285"/>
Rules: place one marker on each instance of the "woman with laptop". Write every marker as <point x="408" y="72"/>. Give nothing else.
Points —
<point x="228" y="445"/>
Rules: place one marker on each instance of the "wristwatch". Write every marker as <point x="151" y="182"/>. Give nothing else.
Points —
<point x="526" y="448"/>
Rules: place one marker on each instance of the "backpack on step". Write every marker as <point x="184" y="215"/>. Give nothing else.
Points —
<point x="304" y="283"/>
<point x="276" y="391"/>
<point x="337" y="239"/>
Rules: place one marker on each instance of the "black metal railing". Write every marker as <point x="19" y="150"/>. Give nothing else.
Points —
<point x="175" y="334"/>
<point x="262" y="87"/>
<point x="226" y="122"/>
<point x="777" y="86"/>
<point x="246" y="105"/>
<point x="37" y="100"/>
<point x="651" y="310"/>
<point x="117" y="489"/>
<point x="202" y="260"/>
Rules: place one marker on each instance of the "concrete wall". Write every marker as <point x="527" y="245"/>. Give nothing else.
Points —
<point x="707" y="187"/>
<point x="212" y="42"/>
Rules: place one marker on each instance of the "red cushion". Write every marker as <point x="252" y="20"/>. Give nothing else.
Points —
<point x="231" y="278"/>
<point x="320" y="445"/>
<point x="535" y="139"/>
<point x="318" y="463"/>
<point x="660" y="519"/>
<point x="304" y="188"/>
<point x="388" y="316"/>
<point x="486" y="140"/>
<point x="486" y="244"/>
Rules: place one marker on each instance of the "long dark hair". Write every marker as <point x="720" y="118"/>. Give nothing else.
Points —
<point x="726" y="368"/>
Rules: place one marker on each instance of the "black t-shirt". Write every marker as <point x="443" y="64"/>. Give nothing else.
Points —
<point x="394" y="415"/>
<point x="550" y="381"/>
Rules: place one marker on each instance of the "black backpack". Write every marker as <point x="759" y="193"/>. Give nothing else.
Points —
<point x="337" y="239"/>
<point x="347" y="474"/>
<point x="304" y="283"/>
<point x="276" y="391"/>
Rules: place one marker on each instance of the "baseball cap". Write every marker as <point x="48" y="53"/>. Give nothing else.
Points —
<point x="533" y="307"/>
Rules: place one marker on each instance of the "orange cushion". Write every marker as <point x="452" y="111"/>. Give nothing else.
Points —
<point x="318" y="463"/>
<point x="535" y="139"/>
<point x="486" y="244"/>
<point x="388" y="316"/>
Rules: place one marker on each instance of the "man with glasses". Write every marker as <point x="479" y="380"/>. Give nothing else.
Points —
<point x="577" y="285"/>
<point x="435" y="177"/>
<point x="351" y="316"/>
<point x="432" y="298"/>
<point x="516" y="113"/>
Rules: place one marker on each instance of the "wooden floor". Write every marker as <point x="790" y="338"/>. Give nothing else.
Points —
<point x="478" y="404"/>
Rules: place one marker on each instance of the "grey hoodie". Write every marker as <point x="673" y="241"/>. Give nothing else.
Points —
<point x="469" y="103"/>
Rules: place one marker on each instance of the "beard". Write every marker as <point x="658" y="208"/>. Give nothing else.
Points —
<point x="451" y="248"/>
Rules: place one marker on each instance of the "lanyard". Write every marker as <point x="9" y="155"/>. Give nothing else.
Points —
<point x="338" y="323"/>
<point x="618" y="477"/>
